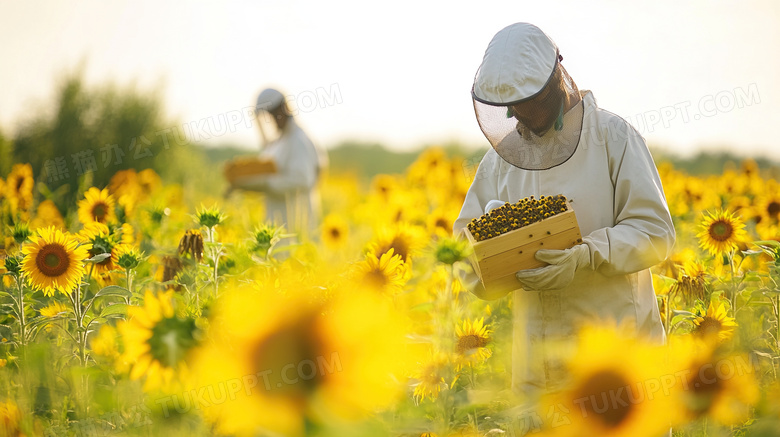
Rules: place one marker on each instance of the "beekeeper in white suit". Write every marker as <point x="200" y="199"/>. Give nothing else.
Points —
<point x="291" y="193"/>
<point x="550" y="138"/>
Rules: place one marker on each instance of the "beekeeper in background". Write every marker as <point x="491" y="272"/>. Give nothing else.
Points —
<point x="291" y="193"/>
<point x="550" y="138"/>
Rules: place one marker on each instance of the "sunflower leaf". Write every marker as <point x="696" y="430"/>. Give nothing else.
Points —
<point x="113" y="290"/>
<point x="425" y="306"/>
<point x="682" y="313"/>
<point x="114" y="309"/>
<point x="98" y="258"/>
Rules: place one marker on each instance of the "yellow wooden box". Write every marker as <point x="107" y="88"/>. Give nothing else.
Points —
<point x="497" y="259"/>
<point x="248" y="166"/>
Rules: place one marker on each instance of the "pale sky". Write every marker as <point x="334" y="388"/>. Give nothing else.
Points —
<point x="688" y="75"/>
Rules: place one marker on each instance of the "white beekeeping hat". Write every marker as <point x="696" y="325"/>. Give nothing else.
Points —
<point x="520" y="83"/>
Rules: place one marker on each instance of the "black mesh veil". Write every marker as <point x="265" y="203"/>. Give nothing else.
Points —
<point x="520" y="138"/>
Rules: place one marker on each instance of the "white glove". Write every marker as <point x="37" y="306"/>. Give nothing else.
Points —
<point x="560" y="272"/>
<point x="493" y="204"/>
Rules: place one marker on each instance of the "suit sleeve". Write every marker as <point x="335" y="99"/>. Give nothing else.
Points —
<point x="643" y="234"/>
<point x="483" y="189"/>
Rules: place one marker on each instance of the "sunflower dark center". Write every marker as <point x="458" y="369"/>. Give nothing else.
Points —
<point x="19" y="183"/>
<point x="291" y="361"/>
<point x="99" y="211"/>
<point x="376" y="278"/>
<point x="721" y="230"/>
<point x="606" y="396"/>
<point x="773" y="209"/>
<point x="470" y="342"/>
<point x="431" y="375"/>
<point x="704" y="385"/>
<point x="52" y="260"/>
<point x="335" y="233"/>
<point x="442" y="223"/>
<point x="709" y="326"/>
<point x="400" y="247"/>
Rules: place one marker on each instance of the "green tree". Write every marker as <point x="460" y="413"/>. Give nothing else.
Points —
<point x="88" y="134"/>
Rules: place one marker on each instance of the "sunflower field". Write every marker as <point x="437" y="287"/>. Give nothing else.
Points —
<point x="135" y="312"/>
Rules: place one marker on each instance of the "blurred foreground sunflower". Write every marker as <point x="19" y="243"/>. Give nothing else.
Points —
<point x="157" y="341"/>
<point x="608" y="391"/>
<point x="10" y="420"/>
<point x="298" y="359"/>
<point x="720" y="232"/>
<point x="54" y="260"/>
<point x="721" y="387"/>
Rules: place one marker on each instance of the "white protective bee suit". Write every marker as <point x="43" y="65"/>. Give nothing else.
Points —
<point x="291" y="194"/>
<point x="616" y="193"/>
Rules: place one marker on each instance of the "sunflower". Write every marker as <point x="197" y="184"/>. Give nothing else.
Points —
<point x="127" y="256"/>
<point x="450" y="250"/>
<point x="19" y="188"/>
<point x="768" y="204"/>
<point x="53" y="310"/>
<point x="126" y="190"/>
<point x="386" y="274"/>
<point x="715" y="324"/>
<point x="102" y="241"/>
<point x="191" y="244"/>
<point x="440" y="222"/>
<point x="54" y="260"/>
<point x="720" y="387"/>
<point x="97" y="206"/>
<point x="691" y="283"/>
<point x="171" y="266"/>
<point x="156" y="341"/>
<point x="298" y="356"/>
<point x="720" y="232"/>
<point x="335" y="231"/>
<point x="10" y="420"/>
<point x="124" y="233"/>
<point x="385" y="185"/>
<point x="473" y="338"/>
<point x="430" y="376"/>
<point x="106" y="343"/>
<point x="405" y="240"/>
<point x="47" y="214"/>
<point x="608" y="392"/>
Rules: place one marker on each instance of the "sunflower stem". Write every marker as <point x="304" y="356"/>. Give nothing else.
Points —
<point x="733" y="284"/>
<point x="474" y="387"/>
<point x="667" y="310"/>
<point x="776" y="305"/>
<point x="22" y="317"/>
<point x="129" y="281"/>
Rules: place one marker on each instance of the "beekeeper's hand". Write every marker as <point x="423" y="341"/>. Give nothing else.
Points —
<point x="560" y="271"/>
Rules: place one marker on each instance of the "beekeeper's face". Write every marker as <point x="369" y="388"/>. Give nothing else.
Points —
<point x="280" y="116"/>
<point x="539" y="113"/>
